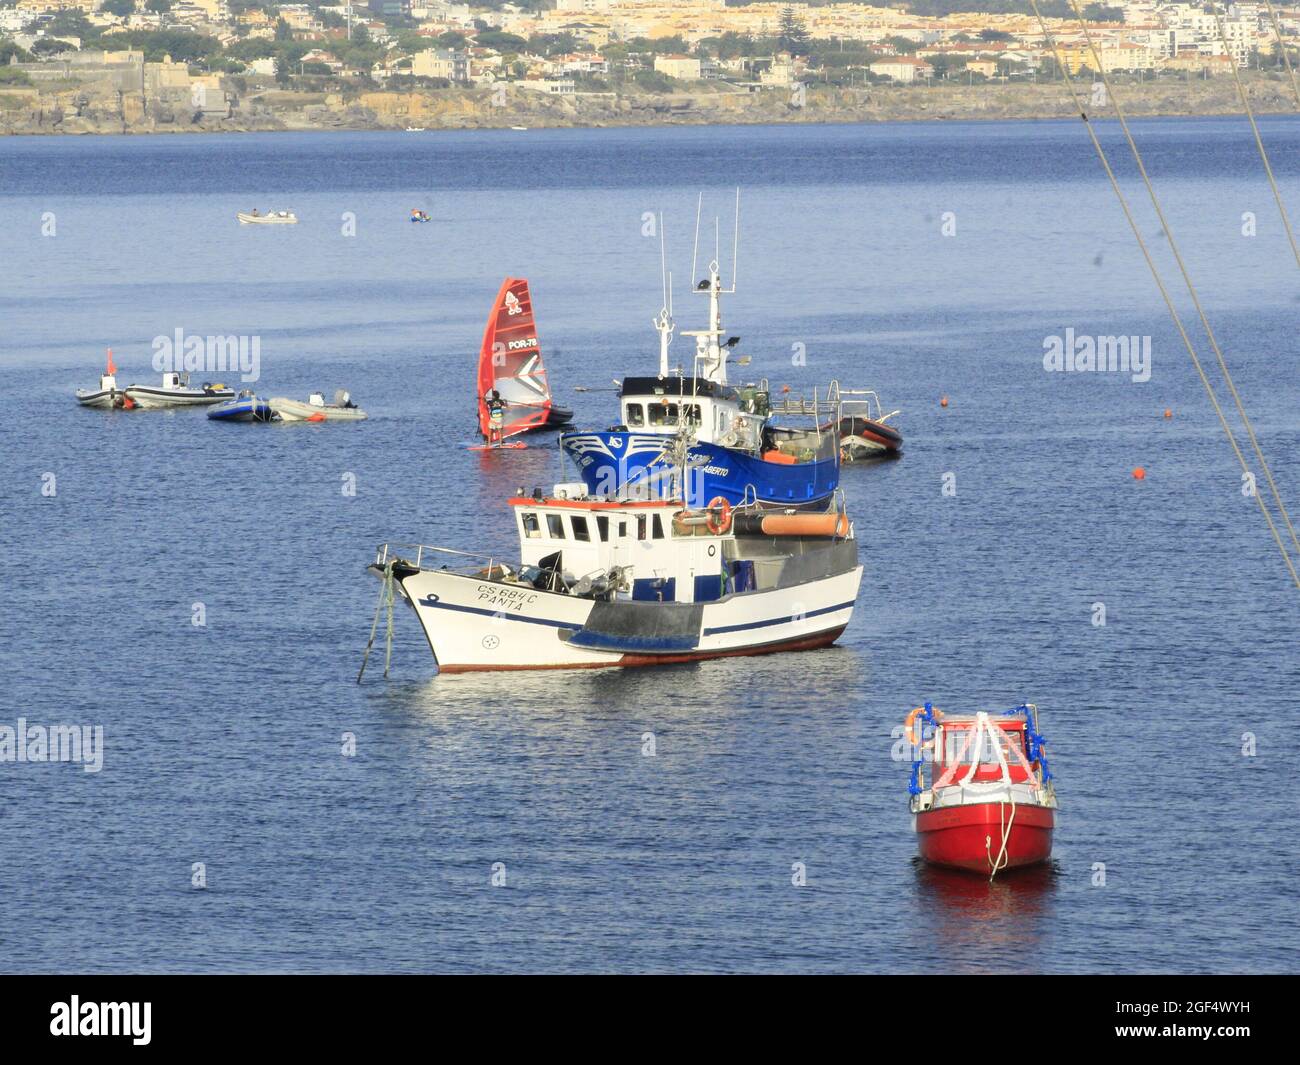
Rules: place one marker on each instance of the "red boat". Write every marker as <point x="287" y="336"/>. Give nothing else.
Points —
<point x="991" y="803"/>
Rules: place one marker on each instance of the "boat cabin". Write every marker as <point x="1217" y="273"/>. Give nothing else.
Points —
<point x="960" y="742"/>
<point x="718" y="413"/>
<point x="625" y="549"/>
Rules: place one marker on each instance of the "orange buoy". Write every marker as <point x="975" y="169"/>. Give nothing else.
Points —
<point x="785" y="389"/>
<point x="1139" y="473"/>
<point x="1168" y="413"/>
<point x="943" y="401"/>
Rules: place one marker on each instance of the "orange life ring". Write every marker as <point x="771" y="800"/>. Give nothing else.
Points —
<point x="719" y="511"/>
<point x="912" y="737"/>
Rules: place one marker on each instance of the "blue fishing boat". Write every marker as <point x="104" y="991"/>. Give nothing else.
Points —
<point x="245" y="407"/>
<point x="695" y="437"/>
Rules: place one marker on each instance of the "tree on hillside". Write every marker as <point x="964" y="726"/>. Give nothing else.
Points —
<point x="792" y="34"/>
<point x="501" y="42"/>
<point x="902" y="45"/>
<point x="50" y="46"/>
<point x="65" y="24"/>
<point x="120" y="8"/>
<point x="158" y="7"/>
<point x="9" y="49"/>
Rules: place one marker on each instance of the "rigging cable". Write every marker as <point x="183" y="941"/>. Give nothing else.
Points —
<point x="1281" y="44"/>
<point x="1160" y="284"/>
<point x="1187" y="278"/>
<point x="1259" y="141"/>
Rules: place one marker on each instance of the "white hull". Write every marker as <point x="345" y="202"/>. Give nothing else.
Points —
<point x="267" y="219"/>
<point x="473" y="624"/>
<point x="292" y="410"/>
<point x="185" y="397"/>
<point x="102" y="399"/>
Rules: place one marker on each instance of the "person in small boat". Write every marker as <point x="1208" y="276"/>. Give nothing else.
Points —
<point x="496" y="416"/>
<point x="256" y="213"/>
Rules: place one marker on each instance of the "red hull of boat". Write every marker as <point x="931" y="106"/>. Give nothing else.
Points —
<point x="961" y="837"/>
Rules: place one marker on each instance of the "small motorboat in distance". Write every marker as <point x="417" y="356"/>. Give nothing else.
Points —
<point x="107" y="396"/>
<point x="513" y="394"/>
<point x="317" y="410"/>
<point x="991" y="804"/>
<point x="271" y="218"/>
<point x="246" y="407"/>
<point x="175" y="391"/>
<point x="420" y="216"/>
<point x="863" y="431"/>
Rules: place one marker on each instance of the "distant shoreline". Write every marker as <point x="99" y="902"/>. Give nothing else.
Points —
<point x="26" y="111"/>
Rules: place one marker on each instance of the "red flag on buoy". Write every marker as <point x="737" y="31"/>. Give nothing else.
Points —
<point x="112" y="370"/>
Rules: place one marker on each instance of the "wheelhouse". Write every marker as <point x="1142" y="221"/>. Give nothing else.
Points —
<point x="716" y="413"/>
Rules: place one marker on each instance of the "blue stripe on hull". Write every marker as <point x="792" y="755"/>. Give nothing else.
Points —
<point x="605" y="641"/>
<point x="777" y="621"/>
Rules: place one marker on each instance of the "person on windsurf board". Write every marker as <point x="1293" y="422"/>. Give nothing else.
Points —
<point x="513" y="394"/>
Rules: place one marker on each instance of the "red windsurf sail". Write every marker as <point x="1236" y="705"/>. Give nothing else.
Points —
<point x="510" y="361"/>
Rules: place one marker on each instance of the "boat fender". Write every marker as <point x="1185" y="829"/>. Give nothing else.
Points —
<point x="719" y="515"/>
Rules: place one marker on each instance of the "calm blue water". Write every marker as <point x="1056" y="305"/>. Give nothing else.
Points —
<point x="222" y="742"/>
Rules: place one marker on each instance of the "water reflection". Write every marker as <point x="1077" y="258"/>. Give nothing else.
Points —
<point x="822" y="677"/>
<point x="970" y="911"/>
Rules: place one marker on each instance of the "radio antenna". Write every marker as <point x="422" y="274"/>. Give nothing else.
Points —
<point x="735" y="250"/>
<point x="699" y="206"/>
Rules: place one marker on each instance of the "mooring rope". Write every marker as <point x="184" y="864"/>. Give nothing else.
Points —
<point x="1151" y="265"/>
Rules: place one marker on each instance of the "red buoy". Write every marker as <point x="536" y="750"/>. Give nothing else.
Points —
<point x="1139" y="473"/>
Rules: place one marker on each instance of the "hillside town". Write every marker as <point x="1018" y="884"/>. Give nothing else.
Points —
<point x="402" y="63"/>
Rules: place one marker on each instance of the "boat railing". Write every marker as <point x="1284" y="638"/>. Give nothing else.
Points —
<point x="428" y="557"/>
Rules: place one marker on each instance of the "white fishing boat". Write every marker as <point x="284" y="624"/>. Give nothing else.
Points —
<point x="107" y="396"/>
<point x="315" y="409"/>
<point x="604" y="583"/>
<point x="176" y="391"/>
<point x="271" y="218"/>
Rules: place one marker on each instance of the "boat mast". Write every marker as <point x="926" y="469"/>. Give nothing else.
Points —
<point x="710" y="353"/>
<point x="664" y="323"/>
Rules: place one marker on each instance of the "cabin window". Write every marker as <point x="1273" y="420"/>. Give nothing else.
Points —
<point x="635" y="414"/>
<point x="580" y="530"/>
<point x="532" y="528"/>
<point x="622" y="529"/>
<point x="602" y="527"/>
<point x="657" y="528"/>
<point x="555" y="524"/>
<point x="663" y="413"/>
<point x="640" y="526"/>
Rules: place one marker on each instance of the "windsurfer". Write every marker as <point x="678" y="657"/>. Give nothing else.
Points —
<point x="496" y="416"/>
